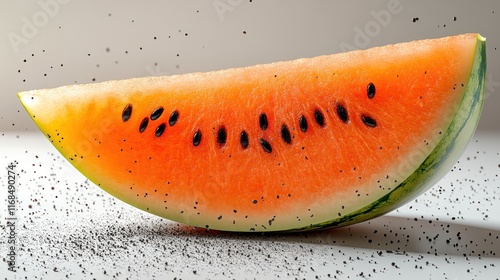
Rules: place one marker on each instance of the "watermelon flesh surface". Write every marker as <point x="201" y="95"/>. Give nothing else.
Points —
<point x="298" y="145"/>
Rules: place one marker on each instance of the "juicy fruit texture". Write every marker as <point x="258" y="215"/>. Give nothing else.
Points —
<point x="298" y="145"/>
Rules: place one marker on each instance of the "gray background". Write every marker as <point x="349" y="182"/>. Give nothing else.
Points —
<point x="50" y="43"/>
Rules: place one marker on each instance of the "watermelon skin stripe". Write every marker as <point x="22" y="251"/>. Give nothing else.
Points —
<point x="439" y="161"/>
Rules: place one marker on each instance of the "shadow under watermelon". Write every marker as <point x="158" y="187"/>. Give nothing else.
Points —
<point x="387" y="234"/>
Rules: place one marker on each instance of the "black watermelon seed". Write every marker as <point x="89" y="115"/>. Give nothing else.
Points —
<point x="244" y="139"/>
<point x="303" y="123"/>
<point x="156" y="113"/>
<point x="197" y="138"/>
<point x="221" y="136"/>
<point x="285" y="134"/>
<point x="369" y="121"/>
<point x="263" y="121"/>
<point x="370" y="90"/>
<point x="173" y="118"/>
<point x="319" y="118"/>
<point x="127" y="112"/>
<point x="160" y="129"/>
<point x="144" y="124"/>
<point x="266" y="146"/>
<point x="342" y="113"/>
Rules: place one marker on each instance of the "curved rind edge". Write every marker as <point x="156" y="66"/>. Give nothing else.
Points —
<point x="435" y="166"/>
<point x="440" y="160"/>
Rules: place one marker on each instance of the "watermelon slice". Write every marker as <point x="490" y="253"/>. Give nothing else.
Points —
<point x="298" y="145"/>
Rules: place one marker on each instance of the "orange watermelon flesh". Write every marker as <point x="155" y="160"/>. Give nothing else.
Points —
<point x="359" y="157"/>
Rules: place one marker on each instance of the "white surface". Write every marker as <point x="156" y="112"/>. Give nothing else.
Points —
<point x="70" y="229"/>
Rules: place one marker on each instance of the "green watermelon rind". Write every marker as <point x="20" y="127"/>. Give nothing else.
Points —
<point x="439" y="161"/>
